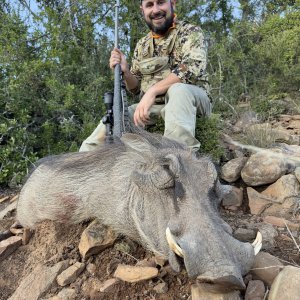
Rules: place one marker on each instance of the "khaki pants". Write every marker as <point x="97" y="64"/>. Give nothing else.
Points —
<point x="183" y="103"/>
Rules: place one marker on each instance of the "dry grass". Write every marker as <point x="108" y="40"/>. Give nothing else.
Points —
<point x="262" y="136"/>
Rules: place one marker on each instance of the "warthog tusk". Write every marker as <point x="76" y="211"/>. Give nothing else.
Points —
<point x="172" y="243"/>
<point x="257" y="244"/>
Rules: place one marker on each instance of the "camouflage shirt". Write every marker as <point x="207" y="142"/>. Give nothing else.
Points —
<point x="187" y="58"/>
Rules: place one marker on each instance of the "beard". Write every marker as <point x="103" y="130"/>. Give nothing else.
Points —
<point x="163" y="28"/>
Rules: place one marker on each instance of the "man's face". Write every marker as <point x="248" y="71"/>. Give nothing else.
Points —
<point x="158" y="14"/>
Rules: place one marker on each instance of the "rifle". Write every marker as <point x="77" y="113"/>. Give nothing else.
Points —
<point x="116" y="118"/>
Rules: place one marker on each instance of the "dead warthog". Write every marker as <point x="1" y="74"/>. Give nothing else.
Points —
<point x="151" y="189"/>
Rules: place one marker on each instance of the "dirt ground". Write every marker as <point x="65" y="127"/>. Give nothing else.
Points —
<point x="52" y="242"/>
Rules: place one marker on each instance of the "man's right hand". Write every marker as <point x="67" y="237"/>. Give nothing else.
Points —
<point x="117" y="57"/>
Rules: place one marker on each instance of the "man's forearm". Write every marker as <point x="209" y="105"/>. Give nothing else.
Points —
<point x="161" y="87"/>
<point x="130" y="80"/>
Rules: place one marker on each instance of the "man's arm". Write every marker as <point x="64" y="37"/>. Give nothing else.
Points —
<point x="117" y="57"/>
<point x="141" y="115"/>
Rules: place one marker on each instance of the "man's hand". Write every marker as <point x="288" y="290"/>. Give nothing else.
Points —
<point x="117" y="57"/>
<point x="142" y="113"/>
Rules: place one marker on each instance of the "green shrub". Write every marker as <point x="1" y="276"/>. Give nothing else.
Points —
<point x="207" y="132"/>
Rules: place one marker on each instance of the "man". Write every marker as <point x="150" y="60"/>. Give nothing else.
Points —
<point x="168" y="71"/>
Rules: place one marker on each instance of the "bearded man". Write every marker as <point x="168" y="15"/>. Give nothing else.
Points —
<point x="168" y="71"/>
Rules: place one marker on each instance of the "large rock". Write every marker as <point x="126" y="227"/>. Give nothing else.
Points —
<point x="285" y="187"/>
<point x="95" y="238"/>
<point x="233" y="198"/>
<point x="255" y="290"/>
<point x="279" y="199"/>
<point x="281" y="222"/>
<point x="135" y="273"/>
<point x="286" y="285"/>
<point x="38" y="282"/>
<point x="200" y="292"/>
<point x="231" y="171"/>
<point x="263" y="168"/>
<point x="258" y="202"/>
<point x="266" y="267"/>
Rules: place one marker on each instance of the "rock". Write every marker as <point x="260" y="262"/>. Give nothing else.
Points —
<point x="134" y="273"/>
<point x="297" y="173"/>
<point x="146" y="263"/>
<point x="257" y="202"/>
<point x="245" y="235"/>
<point x="91" y="288"/>
<point x="279" y="199"/>
<point x="91" y="268"/>
<point x="280" y="222"/>
<point x="27" y="234"/>
<point x="266" y="267"/>
<point x="108" y="285"/>
<point x="269" y="233"/>
<point x="200" y="292"/>
<point x="65" y="294"/>
<point x="16" y="231"/>
<point x="40" y="280"/>
<point x="233" y="198"/>
<point x="263" y="168"/>
<point x="69" y="275"/>
<point x="285" y="187"/>
<point x="255" y="290"/>
<point x="9" y="245"/>
<point x="161" y="288"/>
<point x="246" y="119"/>
<point x="4" y="199"/>
<point x="95" y="238"/>
<point x="5" y="235"/>
<point x="14" y="198"/>
<point x="8" y="209"/>
<point x="231" y="171"/>
<point x="286" y="285"/>
<point x="160" y="261"/>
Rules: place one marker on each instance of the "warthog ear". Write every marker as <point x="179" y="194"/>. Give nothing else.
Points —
<point x="137" y="143"/>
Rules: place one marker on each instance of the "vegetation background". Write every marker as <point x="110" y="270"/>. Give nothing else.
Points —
<point x="54" y="67"/>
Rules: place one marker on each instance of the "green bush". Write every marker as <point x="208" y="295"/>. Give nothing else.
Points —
<point x="207" y="132"/>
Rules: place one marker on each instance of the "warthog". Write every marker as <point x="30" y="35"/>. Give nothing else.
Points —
<point x="151" y="189"/>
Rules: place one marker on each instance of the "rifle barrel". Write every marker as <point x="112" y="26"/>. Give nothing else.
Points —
<point x="117" y="106"/>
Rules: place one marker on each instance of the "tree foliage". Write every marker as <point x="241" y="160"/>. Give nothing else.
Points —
<point x="54" y="65"/>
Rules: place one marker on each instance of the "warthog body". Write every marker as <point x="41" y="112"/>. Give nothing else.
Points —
<point x="140" y="187"/>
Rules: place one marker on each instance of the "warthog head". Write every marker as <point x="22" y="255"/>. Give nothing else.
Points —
<point x="176" y="213"/>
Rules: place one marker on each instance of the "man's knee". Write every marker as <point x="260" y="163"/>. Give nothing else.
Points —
<point x="179" y="90"/>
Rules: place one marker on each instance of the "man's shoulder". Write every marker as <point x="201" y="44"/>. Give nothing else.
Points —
<point x="186" y="27"/>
